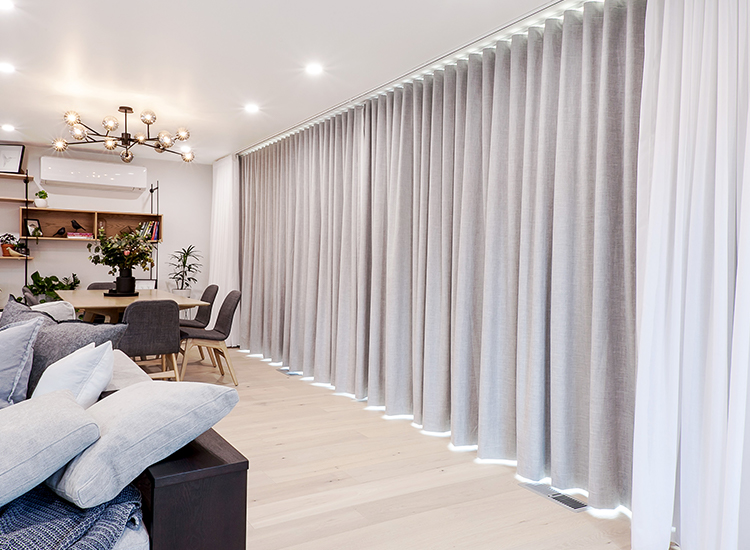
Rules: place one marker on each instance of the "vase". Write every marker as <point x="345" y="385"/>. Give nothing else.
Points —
<point x="6" y="249"/>
<point x="125" y="282"/>
<point x="40" y="203"/>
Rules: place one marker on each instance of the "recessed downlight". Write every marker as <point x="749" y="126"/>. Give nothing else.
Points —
<point x="185" y="148"/>
<point x="6" y="5"/>
<point x="8" y="127"/>
<point x="7" y="68"/>
<point x="252" y="108"/>
<point x="314" y="68"/>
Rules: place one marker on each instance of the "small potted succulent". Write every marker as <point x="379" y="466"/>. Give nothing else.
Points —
<point x="41" y="199"/>
<point x="122" y="253"/>
<point x="8" y="241"/>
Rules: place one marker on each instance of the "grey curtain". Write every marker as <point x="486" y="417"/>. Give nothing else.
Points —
<point x="461" y="249"/>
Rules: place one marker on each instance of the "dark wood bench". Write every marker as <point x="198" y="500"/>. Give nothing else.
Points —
<point x="196" y="499"/>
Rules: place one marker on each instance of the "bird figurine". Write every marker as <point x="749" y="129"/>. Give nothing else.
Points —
<point x="16" y="253"/>
<point x="61" y="233"/>
<point x="77" y="226"/>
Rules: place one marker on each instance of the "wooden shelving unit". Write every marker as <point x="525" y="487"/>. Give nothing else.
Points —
<point x="16" y="257"/>
<point x="52" y="219"/>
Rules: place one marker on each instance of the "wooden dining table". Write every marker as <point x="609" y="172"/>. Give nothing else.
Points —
<point x="94" y="302"/>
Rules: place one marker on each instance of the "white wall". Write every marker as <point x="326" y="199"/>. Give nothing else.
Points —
<point x="185" y="202"/>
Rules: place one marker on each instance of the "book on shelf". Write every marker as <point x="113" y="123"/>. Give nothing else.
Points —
<point x="80" y="235"/>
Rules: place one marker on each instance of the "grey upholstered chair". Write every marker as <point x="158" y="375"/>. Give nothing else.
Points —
<point x="153" y="329"/>
<point x="103" y="285"/>
<point x="213" y="339"/>
<point x="203" y="315"/>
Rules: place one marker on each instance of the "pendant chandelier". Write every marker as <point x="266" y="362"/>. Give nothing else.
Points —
<point x="161" y="143"/>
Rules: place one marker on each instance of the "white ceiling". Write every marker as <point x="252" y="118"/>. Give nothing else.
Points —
<point x="198" y="63"/>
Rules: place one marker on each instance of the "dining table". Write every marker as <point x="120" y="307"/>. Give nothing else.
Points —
<point x="97" y="302"/>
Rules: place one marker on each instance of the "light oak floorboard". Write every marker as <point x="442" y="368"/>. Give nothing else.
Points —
<point x="327" y="474"/>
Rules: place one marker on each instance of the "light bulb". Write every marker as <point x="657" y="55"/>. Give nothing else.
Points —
<point x="314" y="69"/>
<point x="252" y="108"/>
<point x="182" y="134"/>
<point x="71" y="118"/>
<point x="148" y="117"/>
<point x="126" y="155"/>
<point x="59" y="144"/>
<point x="165" y="139"/>
<point x="188" y="156"/>
<point x="110" y="144"/>
<point x="78" y="131"/>
<point x="140" y="138"/>
<point x="7" y="68"/>
<point x="110" y="123"/>
<point x="8" y="127"/>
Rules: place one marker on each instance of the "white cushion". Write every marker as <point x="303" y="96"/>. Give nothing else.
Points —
<point x="59" y="311"/>
<point x="37" y="438"/>
<point x="16" y="356"/>
<point x="140" y="425"/>
<point x="85" y="372"/>
<point x="126" y="372"/>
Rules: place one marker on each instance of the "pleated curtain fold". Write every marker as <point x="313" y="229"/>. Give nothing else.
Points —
<point x="461" y="249"/>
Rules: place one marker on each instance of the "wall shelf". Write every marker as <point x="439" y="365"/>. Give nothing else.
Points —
<point x="14" y="199"/>
<point x="52" y="219"/>
<point x="16" y="257"/>
<point x="19" y="177"/>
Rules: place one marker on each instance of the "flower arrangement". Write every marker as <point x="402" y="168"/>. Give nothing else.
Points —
<point x="123" y="251"/>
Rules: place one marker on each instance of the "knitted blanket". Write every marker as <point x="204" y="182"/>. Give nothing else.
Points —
<point x="41" y="520"/>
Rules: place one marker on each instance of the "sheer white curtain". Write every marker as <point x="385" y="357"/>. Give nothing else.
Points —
<point x="691" y="417"/>
<point x="223" y="260"/>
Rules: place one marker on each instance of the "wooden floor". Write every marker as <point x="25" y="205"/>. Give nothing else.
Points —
<point x="327" y="474"/>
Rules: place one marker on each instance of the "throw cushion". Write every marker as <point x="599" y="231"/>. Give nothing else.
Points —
<point x="59" y="311"/>
<point x="38" y="437"/>
<point x="85" y="372"/>
<point x="140" y="425"/>
<point x="16" y="342"/>
<point x="126" y="372"/>
<point x="56" y="340"/>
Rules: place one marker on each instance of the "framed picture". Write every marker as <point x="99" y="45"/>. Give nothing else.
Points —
<point x="11" y="158"/>
<point x="33" y="226"/>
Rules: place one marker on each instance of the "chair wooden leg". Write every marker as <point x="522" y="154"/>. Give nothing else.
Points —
<point x="216" y="360"/>
<point x="188" y="345"/>
<point x="225" y="352"/>
<point x="200" y="349"/>
<point x="163" y="363"/>
<point x="173" y="362"/>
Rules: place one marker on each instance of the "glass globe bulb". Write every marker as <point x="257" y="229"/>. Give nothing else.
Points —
<point x="188" y="156"/>
<point x="79" y="131"/>
<point x="59" y="144"/>
<point x="110" y="123"/>
<point x="71" y="118"/>
<point x="182" y="134"/>
<point x="165" y="139"/>
<point x="140" y="138"/>
<point x="148" y="117"/>
<point x="110" y="144"/>
<point x="158" y="148"/>
<point x="126" y="156"/>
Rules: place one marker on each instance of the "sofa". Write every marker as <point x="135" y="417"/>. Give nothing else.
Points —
<point x="79" y="423"/>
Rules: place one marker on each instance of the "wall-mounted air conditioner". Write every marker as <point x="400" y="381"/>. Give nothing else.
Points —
<point x="88" y="173"/>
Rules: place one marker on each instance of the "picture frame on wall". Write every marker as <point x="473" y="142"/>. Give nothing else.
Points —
<point x="32" y="226"/>
<point x="11" y="158"/>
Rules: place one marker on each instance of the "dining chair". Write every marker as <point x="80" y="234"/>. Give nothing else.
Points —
<point x="153" y="329"/>
<point x="102" y="285"/>
<point x="203" y="315"/>
<point x="215" y="339"/>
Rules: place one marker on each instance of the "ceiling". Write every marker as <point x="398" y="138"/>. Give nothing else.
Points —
<point x="197" y="64"/>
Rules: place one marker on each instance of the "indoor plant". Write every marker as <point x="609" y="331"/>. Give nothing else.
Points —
<point x="8" y="241"/>
<point x="122" y="252"/>
<point x="45" y="287"/>
<point x="41" y="199"/>
<point x="185" y="266"/>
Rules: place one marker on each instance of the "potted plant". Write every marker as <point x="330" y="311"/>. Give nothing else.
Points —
<point x="41" y="199"/>
<point x="8" y="241"/>
<point x="44" y="288"/>
<point x="123" y="252"/>
<point x="185" y="266"/>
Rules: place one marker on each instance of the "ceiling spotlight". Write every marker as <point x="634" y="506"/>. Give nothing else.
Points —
<point x="6" y="5"/>
<point x="314" y="69"/>
<point x="8" y="127"/>
<point x="185" y="148"/>
<point x="252" y="108"/>
<point x="159" y="143"/>
<point x="7" y="68"/>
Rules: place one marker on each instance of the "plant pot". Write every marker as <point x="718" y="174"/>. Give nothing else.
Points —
<point x="6" y="249"/>
<point x="184" y="313"/>
<point x="125" y="282"/>
<point x="40" y="203"/>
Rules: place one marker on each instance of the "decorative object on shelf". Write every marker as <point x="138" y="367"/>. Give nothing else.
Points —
<point x="41" y="199"/>
<point x="62" y="233"/>
<point x="185" y="266"/>
<point x="101" y="226"/>
<point x="161" y="143"/>
<point x="8" y="241"/>
<point x="122" y="252"/>
<point x="11" y="158"/>
<point x="44" y="288"/>
<point x="77" y="226"/>
<point x="33" y="228"/>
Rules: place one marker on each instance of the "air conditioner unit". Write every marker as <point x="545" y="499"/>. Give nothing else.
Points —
<point x="87" y="173"/>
